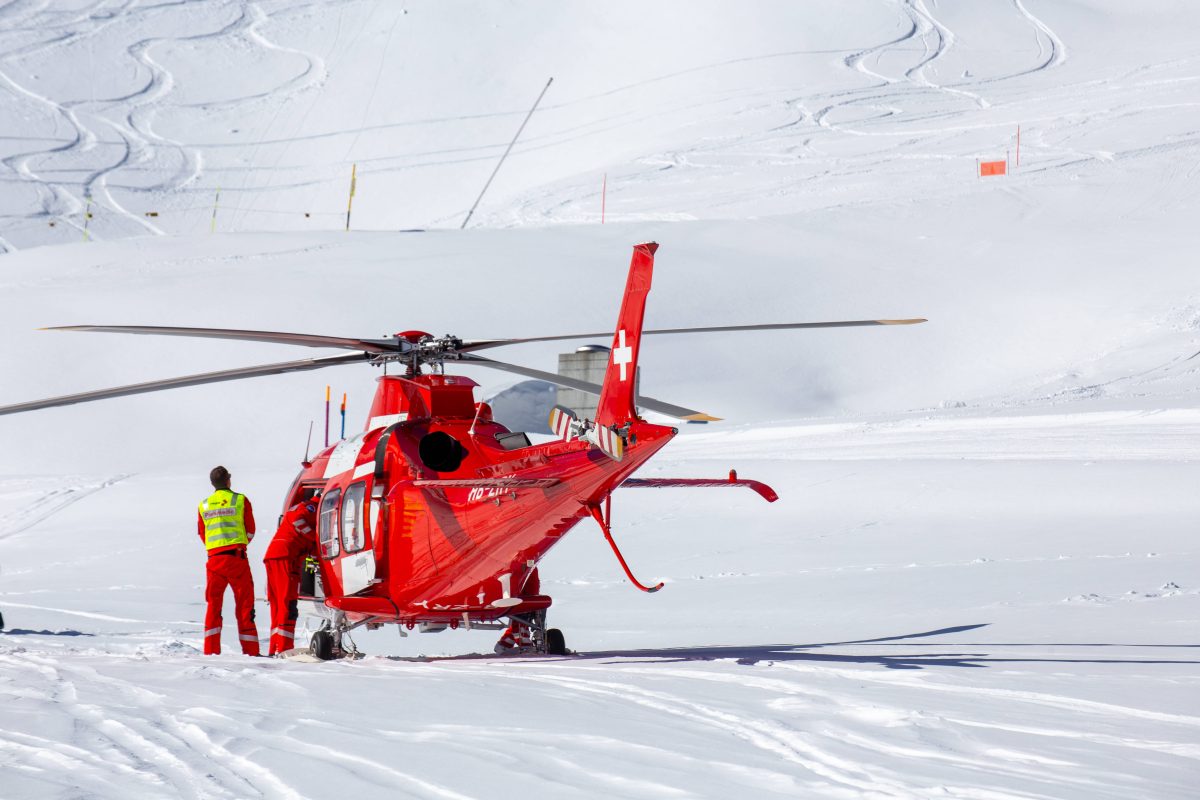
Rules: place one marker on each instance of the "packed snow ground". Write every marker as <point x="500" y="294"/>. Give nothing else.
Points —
<point x="980" y="580"/>
<point x="993" y="621"/>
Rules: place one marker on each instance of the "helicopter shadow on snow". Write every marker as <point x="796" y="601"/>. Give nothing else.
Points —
<point x="956" y="654"/>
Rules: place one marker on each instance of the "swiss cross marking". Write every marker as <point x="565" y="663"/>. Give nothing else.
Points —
<point x="623" y="355"/>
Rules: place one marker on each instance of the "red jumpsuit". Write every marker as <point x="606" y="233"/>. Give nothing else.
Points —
<point x="295" y="540"/>
<point x="229" y="566"/>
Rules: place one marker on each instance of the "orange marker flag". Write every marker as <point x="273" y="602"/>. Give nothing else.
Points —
<point x="992" y="168"/>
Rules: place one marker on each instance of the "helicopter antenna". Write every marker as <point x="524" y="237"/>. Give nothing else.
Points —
<point x="308" y="444"/>
<point x="478" y="408"/>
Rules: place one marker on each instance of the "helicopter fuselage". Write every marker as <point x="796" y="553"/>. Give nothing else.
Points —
<point x="437" y="514"/>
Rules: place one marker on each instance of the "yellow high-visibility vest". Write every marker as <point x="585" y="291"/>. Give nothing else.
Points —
<point x="224" y="516"/>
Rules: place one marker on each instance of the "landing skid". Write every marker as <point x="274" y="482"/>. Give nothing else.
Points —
<point x="527" y="633"/>
<point x="330" y="641"/>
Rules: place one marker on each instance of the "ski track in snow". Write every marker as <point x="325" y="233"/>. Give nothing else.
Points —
<point x="774" y="738"/>
<point x="140" y="147"/>
<point x="819" y="750"/>
<point x="911" y="116"/>
<point x="804" y="696"/>
<point x="896" y="102"/>
<point x="891" y="99"/>
<point x="142" y="742"/>
<point x="803" y="733"/>
<point x="50" y="503"/>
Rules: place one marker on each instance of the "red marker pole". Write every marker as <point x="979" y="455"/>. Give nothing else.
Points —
<point x="343" y="415"/>
<point x="327" y="416"/>
<point x="603" y="197"/>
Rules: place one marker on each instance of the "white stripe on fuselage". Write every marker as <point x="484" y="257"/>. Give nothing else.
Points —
<point x="343" y="456"/>
<point x="385" y="420"/>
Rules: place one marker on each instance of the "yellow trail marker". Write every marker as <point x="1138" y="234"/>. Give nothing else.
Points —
<point x="350" y="200"/>
<point x="212" y="228"/>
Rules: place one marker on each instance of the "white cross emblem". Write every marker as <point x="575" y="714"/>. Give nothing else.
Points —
<point x="623" y="355"/>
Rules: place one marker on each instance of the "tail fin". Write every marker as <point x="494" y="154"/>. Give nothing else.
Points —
<point x="616" y="406"/>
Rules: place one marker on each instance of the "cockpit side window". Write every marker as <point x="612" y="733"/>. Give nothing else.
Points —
<point x="353" y="518"/>
<point x="328" y="525"/>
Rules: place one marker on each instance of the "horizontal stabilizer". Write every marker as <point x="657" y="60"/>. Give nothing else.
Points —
<point x="764" y="491"/>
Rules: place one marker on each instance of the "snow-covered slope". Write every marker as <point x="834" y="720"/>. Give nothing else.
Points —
<point x="979" y="581"/>
<point x="693" y="110"/>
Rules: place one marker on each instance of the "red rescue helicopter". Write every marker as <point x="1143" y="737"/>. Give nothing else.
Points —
<point x="436" y="515"/>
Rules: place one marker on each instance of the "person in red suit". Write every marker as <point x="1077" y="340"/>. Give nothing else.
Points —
<point x="225" y="523"/>
<point x="294" y="542"/>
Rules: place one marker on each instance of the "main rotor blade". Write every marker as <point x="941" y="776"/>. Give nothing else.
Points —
<point x="305" y="339"/>
<point x="679" y="412"/>
<point x="481" y="344"/>
<point x="187" y="380"/>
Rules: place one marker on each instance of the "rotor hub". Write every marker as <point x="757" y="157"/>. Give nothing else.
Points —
<point x="413" y="337"/>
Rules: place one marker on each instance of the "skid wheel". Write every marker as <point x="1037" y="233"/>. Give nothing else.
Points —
<point x="321" y="645"/>
<point x="556" y="643"/>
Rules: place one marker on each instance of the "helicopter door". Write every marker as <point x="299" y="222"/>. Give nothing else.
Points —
<point x="356" y="563"/>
